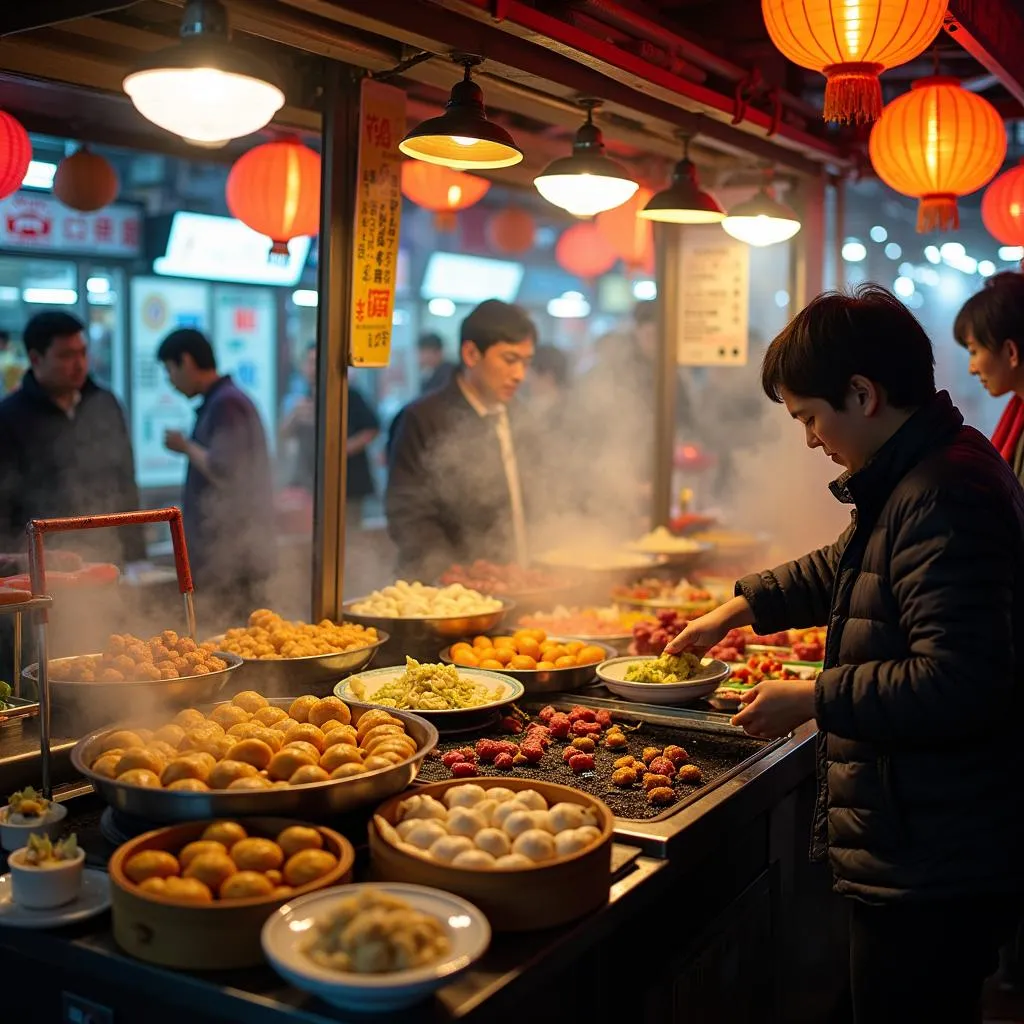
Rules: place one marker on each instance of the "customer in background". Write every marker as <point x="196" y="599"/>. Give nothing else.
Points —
<point x="64" y="446"/>
<point x="991" y="327"/>
<point x="920" y="811"/>
<point x="455" y="491"/>
<point x="12" y="364"/>
<point x="435" y="371"/>
<point x="228" y="501"/>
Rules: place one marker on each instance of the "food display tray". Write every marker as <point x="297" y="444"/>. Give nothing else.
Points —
<point x="13" y="709"/>
<point x="717" y="748"/>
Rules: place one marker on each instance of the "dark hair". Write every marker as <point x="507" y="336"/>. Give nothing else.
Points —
<point x="187" y="341"/>
<point x="494" y="321"/>
<point x="430" y="343"/>
<point x="548" y="359"/>
<point x="646" y="312"/>
<point x="45" y="328"/>
<point x="837" y="336"/>
<point x="995" y="314"/>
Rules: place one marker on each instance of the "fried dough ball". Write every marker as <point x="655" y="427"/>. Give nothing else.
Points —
<point x="122" y="739"/>
<point x="336" y="756"/>
<point x="377" y="732"/>
<point x="308" y="774"/>
<point x="189" y="786"/>
<point x="284" y="764"/>
<point x="229" y="714"/>
<point x="331" y="724"/>
<point x="185" y="768"/>
<point x="251" y="701"/>
<point x="227" y="772"/>
<point x="377" y="716"/>
<point x="346" y="771"/>
<point x="401" y="751"/>
<point x="269" y="715"/>
<point x="343" y="734"/>
<point x="140" y="777"/>
<point x="275" y="877"/>
<point x="251" y="782"/>
<point x="652" y="781"/>
<point x="307" y="866"/>
<point x="299" y="710"/>
<point x="254" y="752"/>
<point x="307" y="733"/>
<point x="661" y="796"/>
<point x="246" y="885"/>
<point x="200" y="757"/>
<point x="212" y="869"/>
<point x="187" y="890"/>
<point x="227" y="833"/>
<point x="282" y="725"/>
<point x="282" y="892"/>
<point x="246" y="730"/>
<point x="193" y="850"/>
<point x="151" y="864"/>
<point x="139" y="757"/>
<point x="274" y="740"/>
<point x="690" y="774"/>
<point x="154" y="886"/>
<point x="189" y="718"/>
<point x="329" y="708"/>
<point x="375" y="763"/>
<point x="106" y="765"/>
<point x="165" y="751"/>
<point x="306" y="748"/>
<point x="217" y="747"/>
<point x="171" y="734"/>
<point x="624" y="777"/>
<point x="255" y="854"/>
<point x="299" y="837"/>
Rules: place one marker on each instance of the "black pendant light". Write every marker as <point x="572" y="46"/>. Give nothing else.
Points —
<point x="684" y="201"/>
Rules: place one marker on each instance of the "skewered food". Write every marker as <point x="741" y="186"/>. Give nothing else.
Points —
<point x="526" y="650"/>
<point x="490" y="578"/>
<point x="429" y="688"/>
<point x="128" y="658"/>
<point x="667" y="668"/>
<point x="269" y="637"/>
<point x="417" y="601"/>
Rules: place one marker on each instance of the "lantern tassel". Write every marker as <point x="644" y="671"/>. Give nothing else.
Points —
<point x="853" y="93"/>
<point x="278" y="255"/>
<point x="937" y="213"/>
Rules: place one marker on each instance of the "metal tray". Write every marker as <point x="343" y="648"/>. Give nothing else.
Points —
<point x="14" y="708"/>
<point x="316" y="801"/>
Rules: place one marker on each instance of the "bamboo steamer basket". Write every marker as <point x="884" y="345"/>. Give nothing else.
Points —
<point x="518" y="900"/>
<point x="213" y="936"/>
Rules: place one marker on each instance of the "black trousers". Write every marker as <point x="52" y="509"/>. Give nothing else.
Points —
<point x="925" y="962"/>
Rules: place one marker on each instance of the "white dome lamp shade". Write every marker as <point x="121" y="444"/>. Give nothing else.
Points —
<point x="588" y="182"/>
<point x="761" y="220"/>
<point x="684" y="201"/>
<point x="204" y="88"/>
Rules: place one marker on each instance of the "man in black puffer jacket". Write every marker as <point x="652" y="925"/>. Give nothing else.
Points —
<point x="920" y="809"/>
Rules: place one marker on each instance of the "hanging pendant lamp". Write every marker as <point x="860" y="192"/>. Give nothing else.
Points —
<point x="684" y="201"/>
<point x="762" y="220"/>
<point x="463" y="137"/>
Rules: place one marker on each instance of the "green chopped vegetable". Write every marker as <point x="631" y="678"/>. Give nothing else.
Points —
<point x="41" y="850"/>
<point x="428" y="688"/>
<point x="5" y="692"/>
<point x="669" y="668"/>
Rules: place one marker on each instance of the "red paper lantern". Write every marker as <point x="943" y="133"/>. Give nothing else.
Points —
<point x="582" y="250"/>
<point x="86" y="181"/>
<point x="1002" y="207"/>
<point x="512" y="231"/>
<point x="275" y="190"/>
<point x="15" y="154"/>
<point x="631" y="237"/>
<point x="440" y="188"/>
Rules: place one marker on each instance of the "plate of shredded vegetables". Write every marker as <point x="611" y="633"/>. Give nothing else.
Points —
<point x="664" y="678"/>
<point x="438" y="692"/>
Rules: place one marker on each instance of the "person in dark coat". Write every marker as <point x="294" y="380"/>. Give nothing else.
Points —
<point x="64" y="446"/>
<point x="436" y="373"/>
<point x="920" y="809"/>
<point x="454" y="491"/>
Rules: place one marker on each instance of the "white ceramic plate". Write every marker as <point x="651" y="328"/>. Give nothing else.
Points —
<point x="288" y="930"/>
<point x="92" y="900"/>
<point x="613" y="674"/>
<point x="509" y="690"/>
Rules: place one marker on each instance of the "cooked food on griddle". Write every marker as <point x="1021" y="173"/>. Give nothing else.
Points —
<point x="667" y="668"/>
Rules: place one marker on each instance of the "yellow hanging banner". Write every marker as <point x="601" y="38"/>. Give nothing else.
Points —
<point x="378" y="215"/>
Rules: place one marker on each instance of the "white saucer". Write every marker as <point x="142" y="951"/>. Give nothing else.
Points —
<point x="92" y="900"/>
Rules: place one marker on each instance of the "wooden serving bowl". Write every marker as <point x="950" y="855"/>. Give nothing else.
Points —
<point x="213" y="936"/>
<point x="514" y="900"/>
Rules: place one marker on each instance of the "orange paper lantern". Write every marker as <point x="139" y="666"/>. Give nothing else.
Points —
<point x="440" y="188"/>
<point x="275" y="190"/>
<point x="851" y="44"/>
<point x="631" y="237"/>
<point x="583" y="250"/>
<point x="512" y="231"/>
<point x="938" y="142"/>
<point x="15" y="154"/>
<point x="86" y="181"/>
<point x="1002" y="207"/>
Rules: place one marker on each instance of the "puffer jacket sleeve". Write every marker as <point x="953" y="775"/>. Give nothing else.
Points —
<point x="796" y="595"/>
<point x="953" y="585"/>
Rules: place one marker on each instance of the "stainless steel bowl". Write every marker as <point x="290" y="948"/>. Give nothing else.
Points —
<point x="420" y="638"/>
<point x="317" y="674"/>
<point x="316" y="801"/>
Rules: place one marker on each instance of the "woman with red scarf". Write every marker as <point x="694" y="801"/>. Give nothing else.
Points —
<point x="991" y="327"/>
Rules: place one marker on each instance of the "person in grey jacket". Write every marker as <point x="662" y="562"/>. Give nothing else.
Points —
<point x="920" y="810"/>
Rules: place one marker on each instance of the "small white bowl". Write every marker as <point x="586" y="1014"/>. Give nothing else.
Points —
<point x="613" y="674"/>
<point x="288" y="930"/>
<point x="14" y="836"/>
<point x="43" y="888"/>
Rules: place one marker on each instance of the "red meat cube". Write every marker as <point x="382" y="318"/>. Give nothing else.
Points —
<point x="581" y="763"/>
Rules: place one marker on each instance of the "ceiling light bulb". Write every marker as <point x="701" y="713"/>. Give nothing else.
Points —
<point x="761" y="221"/>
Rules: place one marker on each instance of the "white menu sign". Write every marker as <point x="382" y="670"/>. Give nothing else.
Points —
<point x="714" y="298"/>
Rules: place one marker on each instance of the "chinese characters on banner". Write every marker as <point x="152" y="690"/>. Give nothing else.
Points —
<point x="33" y="221"/>
<point x="378" y="212"/>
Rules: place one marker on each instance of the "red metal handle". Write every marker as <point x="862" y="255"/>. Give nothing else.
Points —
<point x="38" y="528"/>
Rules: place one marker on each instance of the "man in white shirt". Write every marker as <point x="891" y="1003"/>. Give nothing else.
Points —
<point x="455" y="492"/>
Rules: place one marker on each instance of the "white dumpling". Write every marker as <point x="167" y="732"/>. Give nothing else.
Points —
<point x="501" y="813"/>
<point x="518" y="822"/>
<point x="387" y="830"/>
<point x="590" y="816"/>
<point x="535" y="844"/>
<point x="486" y="809"/>
<point x="500" y="794"/>
<point x="473" y="859"/>
<point x="589" y="833"/>
<point x="569" y="842"/>
<point x="403" y="828"/>
<point x="414" y="851"/>
<point x="542" y="820"/>
<point x="566" y="816"/>
<point x="420" y="806"/>
<point x="493" y="841"/>
<point x="447" y="848"/>
<point x="464" y="822"/>
<point x="532" y="799"/>
<point x="513" y="862"/>
<point x="426" y="833"/>
<point x="468" y="795"/>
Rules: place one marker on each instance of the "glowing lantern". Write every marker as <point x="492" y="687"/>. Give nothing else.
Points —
<point x="275" y="190"/>
<point x="15" y="154"/>
<point x="629" y="235"/>
<point x="511" y="231"/>
<point x="442" y="190"/>
<point x="86" y="181"/>
<point x="938" y="142"/>
<point x="1002" y="207"/>
<point x="852" y="43"/>
<point x="582" y="250"/>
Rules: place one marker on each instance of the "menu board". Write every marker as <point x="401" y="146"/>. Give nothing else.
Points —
<point x="714" y="298"/>
<point x="377" y="215"/>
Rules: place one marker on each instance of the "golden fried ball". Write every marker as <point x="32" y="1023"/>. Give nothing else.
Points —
<point x="246" y="730"/>
<point x="254" y="752"/>
<point x="308" y="774"/>
<point x="155" y="886"/>
<point x="140" y="777"/>
<point x="165" y="751"/>
<point x="122" y="739"/>
<point x="151" y="864"/>
<point x="106" y="765"/>
<point x="397" y="749"/>
<point x="255" y="854"/>
<point x="336" y="756"/>
<point x="188" y="786"/>
<point x="329" y="708"/>
<point x="139" y="757"/>
<point x="251" y="782"/>
<point x="284" y="764"/>
<point x="346" y="771"/>
<point x="274" y="740"/>
<point x="225" y="832"/>
<point x="145" y="735"/>
<point x="343" y="734"/>
<point x="171" y="734"/>
<point x="184" y="768"/>
<point x="377" y="732"/>
<point x="193" y="850"/>
<point x="307" y="866"/>
<point x="269" y="715"/>
<point x="281" y="726"/>
<point x="228" y="715"/>
<point x="212" y="869"/>
<point x="246" y="885"/>
<point x="217" y="747"/>
<point x="189" y="718"/>
<point x="299" y="837"/>
<point x="227" y="772"/>
<point x="306" y="748"/>
<point x="187" y="890"/>
<point x="282" y="892"/>
<point x="200" y="757"/>
<point x="307" y="733"/>
<point x="376" y="716"/>
<point x="299" y="710"/>
<point x="251" y="701"/>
